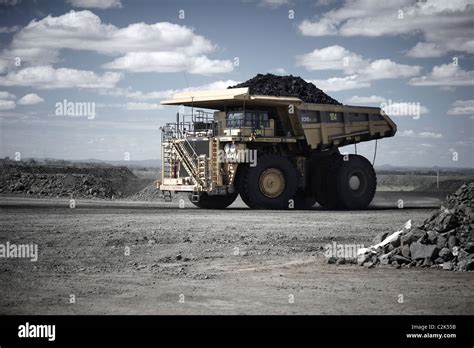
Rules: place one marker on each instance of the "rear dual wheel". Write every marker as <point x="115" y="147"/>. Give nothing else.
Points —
<point x="340" y="184"/>
<point x="356" y="183"/>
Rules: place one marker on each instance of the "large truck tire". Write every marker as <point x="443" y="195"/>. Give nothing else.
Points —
<point x="270" y="184"/>
<point x="239" y="182"/>
<point x="215" y="201"/>
<point x="324" y="181"/>
<point x="356" y="183"/>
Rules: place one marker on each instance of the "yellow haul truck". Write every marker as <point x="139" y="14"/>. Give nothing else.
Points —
<point x="276" y="152"/>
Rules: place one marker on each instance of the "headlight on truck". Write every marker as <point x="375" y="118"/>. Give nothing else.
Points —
<point x="229" y="149"/>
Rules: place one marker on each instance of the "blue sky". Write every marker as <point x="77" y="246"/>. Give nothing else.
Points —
<point x="125" y="56"/>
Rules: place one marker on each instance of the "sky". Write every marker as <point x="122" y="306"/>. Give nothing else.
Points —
<point x="120" y="58"/>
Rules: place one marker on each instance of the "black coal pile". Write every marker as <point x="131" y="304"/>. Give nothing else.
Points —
<point x="445" y="240"/>
<point x="63" y="181"/>
<point x="286" y="86"/>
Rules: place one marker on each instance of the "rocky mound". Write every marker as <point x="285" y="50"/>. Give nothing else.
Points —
<point x="148" y="193"/>
<point x="286" y="86"/>
<point x="21" y="178"/>
<point x="445" y="240"/>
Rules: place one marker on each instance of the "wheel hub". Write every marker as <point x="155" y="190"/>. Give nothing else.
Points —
<point x="272" y="182"/>
<point x="354" y="182"/>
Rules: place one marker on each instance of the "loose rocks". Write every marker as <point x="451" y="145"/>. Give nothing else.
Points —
<point x="445" y="240"/>
<point x="36" y="180"/>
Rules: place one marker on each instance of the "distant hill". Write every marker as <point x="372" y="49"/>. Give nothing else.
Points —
<point x="149" y="163"/>
<point x="389" y="169"/>
<point x="156" y="163"/>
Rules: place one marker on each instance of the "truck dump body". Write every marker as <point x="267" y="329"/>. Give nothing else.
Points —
<point x="334" y="125"/>
<point x="321" y="125"/>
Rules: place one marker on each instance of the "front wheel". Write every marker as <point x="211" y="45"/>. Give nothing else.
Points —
<point x="269" y="185"/>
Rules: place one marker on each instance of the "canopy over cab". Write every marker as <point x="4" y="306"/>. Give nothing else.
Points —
<point x="321" y="125"/>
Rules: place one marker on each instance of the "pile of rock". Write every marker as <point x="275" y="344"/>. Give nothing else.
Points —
<point x="286" y="86"/>
<point x="148" y="193"/>
<point x="59" y="185"/>
<point x="445" y="240"/>
<point x="63" y="181"/>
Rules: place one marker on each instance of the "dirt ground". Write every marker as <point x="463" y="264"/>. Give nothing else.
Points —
<point x="193" y="261"/>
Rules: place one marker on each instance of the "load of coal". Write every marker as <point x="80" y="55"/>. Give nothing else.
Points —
<point x="286" y="86"/>
<point x="445" y="239"/>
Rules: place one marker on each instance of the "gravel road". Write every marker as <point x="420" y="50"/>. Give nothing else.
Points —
<point x="155" y="258"/>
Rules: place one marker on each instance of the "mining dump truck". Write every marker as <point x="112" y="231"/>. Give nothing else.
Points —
<point x="276" y="152"/>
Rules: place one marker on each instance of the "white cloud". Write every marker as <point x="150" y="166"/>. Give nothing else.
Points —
<point x="7" y="104"/>
<point x="46" y="77"/>
<point x="425" y="135"/>
<point x="83" y="30"/>
<point x="30" y="99"/>
<point x="373" y="99"/>
<point x="323" y="27"/>
<point x="462" y="107"/>
<point x="401" y="108"/>
<point x="386" y="69"/>
<point x="40" y="42"/>
<point x="168" y="93"/>
<point x="6" y="95"/>
<point x="445" y="75"/>
<point x="274" y="3"/>
<point x="332" y="58"/>
<point x="444" y="25"/>
<point x="430" y="135"/>
<point x="325" y="2"/>
<point x="339" y="58"/>
<point x="3" y="66"/>
<point x="28" y="56"/>
<point x="143" y="106"/>
<point x="100" y="4"/>
<point x="8" y="30"/>
<point x="166" y="62"/>
<point x="7" y="100"/>
<point x="425" y="50"/>
<point x="279" y="71"/>
<point x="406" y="133"/>
<point x="335" y="84"/>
